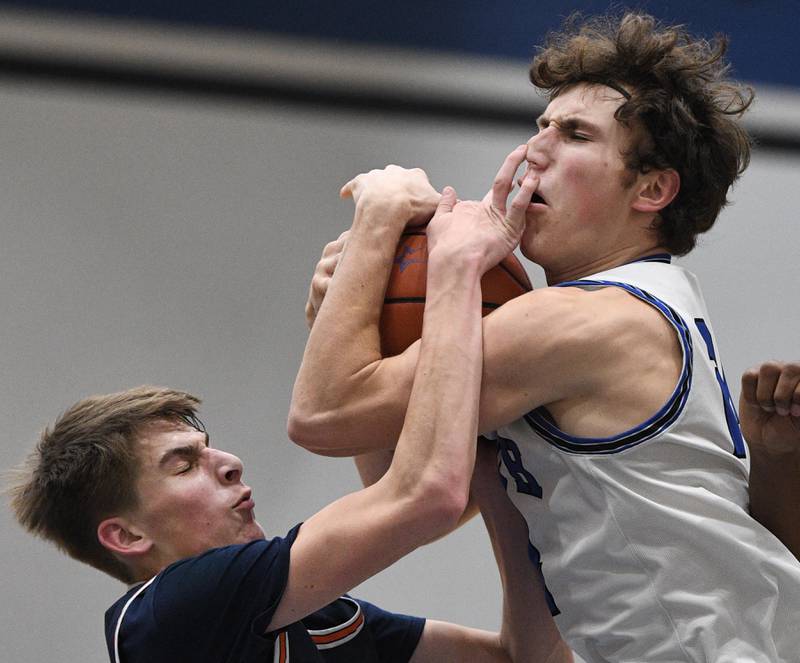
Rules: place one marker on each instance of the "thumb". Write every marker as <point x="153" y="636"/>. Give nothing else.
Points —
<point x="447" y="201"/>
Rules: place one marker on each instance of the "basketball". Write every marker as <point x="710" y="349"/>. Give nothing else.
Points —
<point x="404" y="301"/>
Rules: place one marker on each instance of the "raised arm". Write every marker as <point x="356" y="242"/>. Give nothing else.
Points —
<point x="425" y="490"/>
<point x="343" y="349"/>
<point x="769" y="408"/>
<point x="348" y="399"/>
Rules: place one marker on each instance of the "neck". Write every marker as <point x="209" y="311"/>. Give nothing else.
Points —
<point x="585" y="268"/>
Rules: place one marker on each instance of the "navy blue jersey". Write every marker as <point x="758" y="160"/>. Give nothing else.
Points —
<point x="215" y="608"/>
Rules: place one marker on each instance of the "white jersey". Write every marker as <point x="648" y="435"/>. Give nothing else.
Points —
<point x="644" y="538"/>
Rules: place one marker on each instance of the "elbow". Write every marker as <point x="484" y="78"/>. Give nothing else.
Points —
<point x="304" y="428"/>
<point x="440" y="507"/>
<point x="299" y="427"/>
<point x="316" y="432"/>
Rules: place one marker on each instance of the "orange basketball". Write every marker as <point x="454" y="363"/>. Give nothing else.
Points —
<point x="404" y="301"/>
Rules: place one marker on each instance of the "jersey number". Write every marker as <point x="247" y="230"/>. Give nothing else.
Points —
<point x="730" y="411"/>
<point x="528" y="485"/>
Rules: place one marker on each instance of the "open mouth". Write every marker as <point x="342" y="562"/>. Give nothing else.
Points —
<point x="538" y="199"/>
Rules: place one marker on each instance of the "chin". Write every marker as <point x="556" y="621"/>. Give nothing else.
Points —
<point x="255" y="533"/>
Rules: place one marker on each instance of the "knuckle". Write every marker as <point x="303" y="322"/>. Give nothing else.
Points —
<point x="765" y="403"/>
<point x="751" y="374"/>
<point x="770" y="368"/>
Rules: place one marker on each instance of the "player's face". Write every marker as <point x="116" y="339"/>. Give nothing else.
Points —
<point x="191" y="496"/>
<point x="577" y="154"/>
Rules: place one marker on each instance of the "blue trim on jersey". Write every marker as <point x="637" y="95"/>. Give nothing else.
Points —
<point x="656" y="257"/>
<point x="731" y="418"/>
<point x="539" y="419"/>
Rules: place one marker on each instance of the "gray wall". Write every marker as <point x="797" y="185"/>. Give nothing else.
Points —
<point x="158" y="240"/>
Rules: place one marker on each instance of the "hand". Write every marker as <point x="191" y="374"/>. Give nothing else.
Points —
<point x="395" y="186"/>
<point x="487" y="229"/>
<point x="323" y="274"/>
<point x="769" y="406"/>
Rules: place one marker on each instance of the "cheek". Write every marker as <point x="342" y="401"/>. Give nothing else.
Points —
<point x="595" y="185"/>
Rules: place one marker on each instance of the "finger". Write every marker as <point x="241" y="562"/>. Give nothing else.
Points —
<point x="504" y="180"/>
<point x="311" y="315"/>
<point x="749" y="383"/>
<point x="349" y="189"/>
<point x="447" y="201"/>
<point x="787" y="389"/>
<point x="336" y="246"/>
<point x="519" y="205"/>
<point x="327" y="265"/>
<point x="768" y="376"/>
<point x="331" y="248"/>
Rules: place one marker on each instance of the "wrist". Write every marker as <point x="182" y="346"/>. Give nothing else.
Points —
<point x="391" y="210"/>
<point x="775" y="452"/>
<point x="459" y="265"/>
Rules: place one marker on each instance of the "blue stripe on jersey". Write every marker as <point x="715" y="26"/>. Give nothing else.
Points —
<point x="731" y="418"/>
<point x="539" y="419"/>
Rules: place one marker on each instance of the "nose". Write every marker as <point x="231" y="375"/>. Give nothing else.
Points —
<point x="229" y="467"/>
<point x="540" y="147"/>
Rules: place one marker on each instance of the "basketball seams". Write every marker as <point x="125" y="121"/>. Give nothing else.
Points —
<point x="525" y="285"/>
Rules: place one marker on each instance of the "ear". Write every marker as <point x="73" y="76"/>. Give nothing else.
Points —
<point x="122" y="537"/>
<point x="656" y="190"/>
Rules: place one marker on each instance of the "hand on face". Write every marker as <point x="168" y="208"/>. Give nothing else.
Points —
<point x="395" y="186"/>
<point x="488" y="229"/>
<point x="323" y="274"/>
<point x="769" y="406"/>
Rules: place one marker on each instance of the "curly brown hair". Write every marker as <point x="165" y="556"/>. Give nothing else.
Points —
<point x="85" y="469"/>
<point x="678" y="91"/>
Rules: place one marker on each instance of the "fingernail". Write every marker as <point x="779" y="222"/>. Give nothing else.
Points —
<point x="782" y="411"/>
<point x="796" y="410"/>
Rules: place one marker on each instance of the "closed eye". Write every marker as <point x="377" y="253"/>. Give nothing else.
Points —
<point x="185" y="467"/>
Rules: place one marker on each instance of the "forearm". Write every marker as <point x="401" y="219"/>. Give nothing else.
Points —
<point x="442" y="416"/>
<point x="528" y="630"/>
<point x="775" y="493"/>
<point x="450" y="643"/>
<point x="343" y="349"/>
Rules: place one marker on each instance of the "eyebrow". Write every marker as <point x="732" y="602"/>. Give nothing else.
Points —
<point x="185" y="452"/>
<point x="569" y="122"/>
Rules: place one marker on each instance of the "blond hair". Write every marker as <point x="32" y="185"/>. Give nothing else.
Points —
<point x="85" y="468"/>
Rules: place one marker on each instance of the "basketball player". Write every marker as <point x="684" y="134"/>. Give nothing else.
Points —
<point x="605" y="393"/>
<point x="130" y="484"/>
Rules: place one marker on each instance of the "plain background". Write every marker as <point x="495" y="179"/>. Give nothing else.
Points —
<point x="167" y="240"/>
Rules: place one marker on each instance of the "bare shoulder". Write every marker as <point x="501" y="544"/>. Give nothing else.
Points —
<point x="567" y="345"/>
<point x="576" y="350"/>
<point x="580" y="317"/>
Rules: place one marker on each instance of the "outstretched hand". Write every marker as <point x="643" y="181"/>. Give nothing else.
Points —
<point x="488" y="230"/>
<point x="769" y="406"/>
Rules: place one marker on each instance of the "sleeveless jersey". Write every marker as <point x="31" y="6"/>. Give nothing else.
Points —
<point x="644" y="539"/>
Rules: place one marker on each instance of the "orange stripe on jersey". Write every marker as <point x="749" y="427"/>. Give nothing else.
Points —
<point x="342" y="633"/>
<point x="281" y="648"/>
